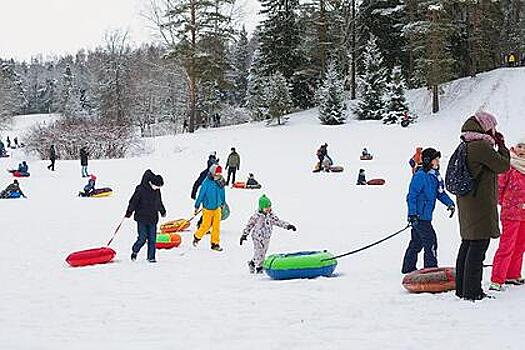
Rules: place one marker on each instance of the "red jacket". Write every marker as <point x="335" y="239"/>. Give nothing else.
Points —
<point x="511" y="195"/>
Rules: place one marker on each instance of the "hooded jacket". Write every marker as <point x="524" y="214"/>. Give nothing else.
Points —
<point x="83" y="157"/>
<point x="211" y="195"/>
<point x="477" y="211"/>
<point x="146" y="202"/>
<point x="425" y="188"/>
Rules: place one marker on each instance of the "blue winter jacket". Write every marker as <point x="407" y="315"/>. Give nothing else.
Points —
<point x="425" y="189"/>
<point x="211" y="195"/>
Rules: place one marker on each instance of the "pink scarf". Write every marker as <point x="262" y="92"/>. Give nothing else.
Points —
<point x="469" y="136"/>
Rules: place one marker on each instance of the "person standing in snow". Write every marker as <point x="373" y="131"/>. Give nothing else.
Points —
<point x="261" y="226"/>
<point x="8" y="142"/>
<point x="232" y="165"/>
<point x="508" y="260"/>
<point x="84" y="161"/>
<point x="361" y="179"/>
<point x="16" y="142"/>
<point x="478" y="212"/>
<point x="146" y="203"/>
<point x="212" y="197"/>
<point x="2" y="148"/>
<point x="324" y="158"/>
<point x="416" y="160"/>
<point x="52" y="158"/>
<point x="212" y="160"/>
<point x="426" y="188"/>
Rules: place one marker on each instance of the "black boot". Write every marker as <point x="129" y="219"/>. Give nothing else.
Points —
<point x="216" y="247"/>
<point x="251" y="266"/>
<point x="133" y="256"/>
<point x="259" y="270"/>
<point x="195" y="241"/>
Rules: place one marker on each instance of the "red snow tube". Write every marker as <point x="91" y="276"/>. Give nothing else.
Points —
<point x="432" y="280"/>
<point x="20" y="174"/>
<point x="376" y="182"/>
<point x="337" y="169"/>
<point x="91" y="257"/>
<point x="239" y="185"/>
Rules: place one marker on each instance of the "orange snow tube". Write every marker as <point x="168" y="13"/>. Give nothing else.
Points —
<point x="376" y="182"/>
<point x="174" y="226"/>
<point x="432" y="280"/>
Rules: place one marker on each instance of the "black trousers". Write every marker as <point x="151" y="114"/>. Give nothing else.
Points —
<point x="52" y="165"/>
<point x="231" y="174"/>
<point x="469" y="268"/>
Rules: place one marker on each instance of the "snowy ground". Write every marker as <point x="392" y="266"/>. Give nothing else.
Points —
<point x="195" y="298"/>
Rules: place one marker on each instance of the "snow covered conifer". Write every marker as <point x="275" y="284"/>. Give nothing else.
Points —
<point x="278" y="97"/>
<point x="397" y="103"/>
<point x="331" y="97"/>
<point x="373" y="84"/>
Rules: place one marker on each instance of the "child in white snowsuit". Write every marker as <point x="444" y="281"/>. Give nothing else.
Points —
<point x="260" y="226"/>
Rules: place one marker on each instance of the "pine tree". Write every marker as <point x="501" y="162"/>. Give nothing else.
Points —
<point x="280" y="43"/>
<point x="373" y="82"/>
<point x="279" y="98"/>
<point x="397" y="105"/>
<point x="241" y="68"/>
<point x="331" y="97"/>
<point x="257" y="83"/>
<point x="70" y="104"/>
<point x="12" y="98"/>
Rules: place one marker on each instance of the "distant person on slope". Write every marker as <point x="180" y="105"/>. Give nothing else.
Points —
<point x="146" y="203"/>
<point x="251" y="183"/>
<point x="23" y="168"/>
<point x="212" y="160"/>
<point x="261" y="226"/>
<point x="8" y="142"/>
<point x="322" y="155"/>
<point x="90" y="187"/>
<point x="416" y="161"/>
<point x="426" y="188"/>
<point x="16" y="142"/>
<point x="52" y="158"/>
<point x="2" y="148"/>
<point x="212" y="197"/>
<point x="361" y="178"/>
<point x="232" y="165"/>
<point x="84" y="161"/>
<point x="12" y="191"/>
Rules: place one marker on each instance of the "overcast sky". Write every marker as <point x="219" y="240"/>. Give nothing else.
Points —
<point x="50" y="27"/>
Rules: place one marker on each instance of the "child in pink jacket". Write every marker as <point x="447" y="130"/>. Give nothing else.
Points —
<point x="509" y="256"/>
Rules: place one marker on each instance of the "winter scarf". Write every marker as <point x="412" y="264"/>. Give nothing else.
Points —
<point x="469" y="136"/>
<point x="516" y="162"/>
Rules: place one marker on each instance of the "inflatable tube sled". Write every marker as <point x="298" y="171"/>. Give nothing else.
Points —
<point x="174" y="226"/>
<point x="376" y="182"/>
<point x="11" y="195"/>
<point x="336" y="169"/>
<point x="167" y="240"/>
<point x="98" y="193"/>
<point x="91" y="257"/>
<point x="366" y="157"/>
<point x="20" y="174"/>
<point x="299" y="265"/>
<point x="432" y="280"/>
<point x="4" y="155"/>
<point x="243" y="185"/>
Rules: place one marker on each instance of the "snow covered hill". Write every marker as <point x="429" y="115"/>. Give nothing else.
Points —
<point x="195" y="298"/>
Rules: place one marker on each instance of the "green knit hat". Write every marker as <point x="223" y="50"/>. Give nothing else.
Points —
<point x="264" y="202"/>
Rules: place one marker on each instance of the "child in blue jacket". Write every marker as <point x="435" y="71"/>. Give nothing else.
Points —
<point x="426" y="188"/>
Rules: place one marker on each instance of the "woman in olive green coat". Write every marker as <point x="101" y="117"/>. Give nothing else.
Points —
<point x="478" y="213"/>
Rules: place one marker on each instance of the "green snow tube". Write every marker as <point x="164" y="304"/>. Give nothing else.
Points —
<point x="300" y="265"/>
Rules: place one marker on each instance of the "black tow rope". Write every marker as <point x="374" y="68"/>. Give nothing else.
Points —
<point x="370" y="245"/>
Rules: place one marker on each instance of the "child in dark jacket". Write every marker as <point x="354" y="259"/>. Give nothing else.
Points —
<point x="361" y="179"/>
<point x="426" y="188"/>
<point x="146" y="202"/>
<point x="90" y="187"/>
<point x="260" y="226"/>
<point x="12" y="191"/>
<point x="251" y="182"/>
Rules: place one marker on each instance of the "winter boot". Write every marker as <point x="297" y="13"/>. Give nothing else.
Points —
<point x="152" y="260"/>
<point x="251" y="266"/>
<point x="516" y="281"/>
<point x="195" y="241"/>
<point x="259" y="270"/>
<point x="496" y="287"/>
<point x="479" y="297"/>
<point x="216" y="247"/>
<point x="133" y="256"/>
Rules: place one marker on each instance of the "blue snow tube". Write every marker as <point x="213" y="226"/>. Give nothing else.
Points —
<point x="300" y="265"/>
<point x="15" y="195"/>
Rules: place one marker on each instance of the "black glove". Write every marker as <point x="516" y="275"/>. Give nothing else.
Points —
<point x="291" y="227"/>
<point x="500" y="139"/>
<point x="128" y="214"/>
<point x="413" y="220"/>
<point x="452" y="210"/>
<point x="243" y="238"/>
